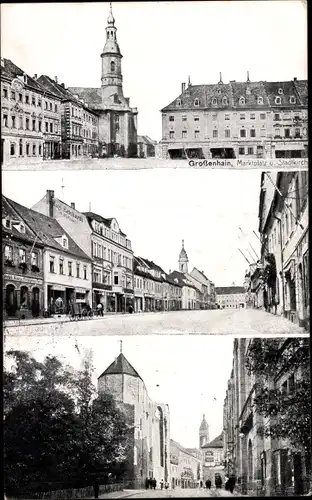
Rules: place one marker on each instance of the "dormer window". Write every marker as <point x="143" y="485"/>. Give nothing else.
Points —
<point x="196" y="102"/>
<point x="219" y="91"/>
<point x="280" y="91"/>
<point x="278" y="100"/>
<point x="64" y="242"/>
<point x="179" y="102"/>
<point x="224" y="101"/>
<point x="21" y="228"/>
<point x="248" y="91"/>
<point x="242" y="101"/>
<point x="214" y="101"/>
<point x="6" y="223"/>
<point x="260" y="100"/>
<point x="292" y="100"/>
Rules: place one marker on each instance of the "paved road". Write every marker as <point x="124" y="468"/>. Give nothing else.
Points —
<point x="176" y="493"/>
<point x="246" y="322"/>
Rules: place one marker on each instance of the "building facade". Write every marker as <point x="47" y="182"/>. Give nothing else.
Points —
<point x="264" y="465"/>
<point x="117" y="120"/>
<point x="22" y="261"/>
<point x="280" y="281"/>
<point x="233" y="297"/>
<point x="237" y="120"/>
<point x="213" y="459"/>
<point x="146" y="147"/>
<point x="185" y="467"/>
<point x="105" y="243"/>
<point x="150" y="455"/>
<point x="31" y="118"/>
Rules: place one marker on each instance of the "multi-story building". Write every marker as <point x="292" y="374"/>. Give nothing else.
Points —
<point x="185" y="467"/>
<point x="237" y="120"/>
<point x="233" y="297"/>
<point x="31" y="118"/>
<point x="117" y="120"/>
<point x="264" y="464"/>
<point x="149" y="456"/>
<point x="80" y="124"/>
<point x="67" y="268"/>
<point x="172" y="293"/>
<point x="105" y="243"/>
<point x="146" y="146"/>
<point x="149" y="290"/>
<point x="208" y="289"/>
<point x="213" y="459"/>
<point x="22" y="260"/>
<point x="189" y="299"/>
<point x="280" y="281"/>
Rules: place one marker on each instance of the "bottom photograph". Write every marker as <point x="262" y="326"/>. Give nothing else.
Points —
<point x="156" y="416"/>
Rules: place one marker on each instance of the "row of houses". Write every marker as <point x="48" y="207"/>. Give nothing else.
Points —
<point x="53" y="254"/>
<point x="279" y="281"/>
<point x="267" y="417"/>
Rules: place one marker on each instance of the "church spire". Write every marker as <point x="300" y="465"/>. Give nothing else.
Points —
<point x="183" y="260"/>
<point x="111" y="60"/>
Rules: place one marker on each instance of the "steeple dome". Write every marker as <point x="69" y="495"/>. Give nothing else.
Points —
<point x="183" y="260"/>
<point x="110" y="19"/>
<point x="111" y="61"/>
<point x="204" y="424"/>
<point x="203" y="432"/>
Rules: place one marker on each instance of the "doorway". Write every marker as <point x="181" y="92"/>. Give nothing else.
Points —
<point x="10" y="300"/>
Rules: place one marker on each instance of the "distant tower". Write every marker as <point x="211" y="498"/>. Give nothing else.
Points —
<point x="183" y="260"/>
<point x="203" y="432"/>
<point x="111" y="61"/>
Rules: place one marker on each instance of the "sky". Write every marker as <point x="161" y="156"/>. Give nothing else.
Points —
<point x="158" y="208"/>
<point x="162" y="43"/>
<point x="192" y="383"/>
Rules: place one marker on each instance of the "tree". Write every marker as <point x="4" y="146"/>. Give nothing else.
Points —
<point x="290" y="410"/>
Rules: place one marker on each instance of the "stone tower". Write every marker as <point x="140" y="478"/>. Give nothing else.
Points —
<point x="203" y="432"/>
<point x="111" y="81"/>
<point x="183" y="260"/>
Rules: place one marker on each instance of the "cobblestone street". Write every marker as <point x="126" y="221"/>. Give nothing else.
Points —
<point x="177" y="493"/>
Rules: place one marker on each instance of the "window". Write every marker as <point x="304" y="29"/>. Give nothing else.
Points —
<point x="78" y="270"/>
<point x="51" y="107"/>
<point x="241" y="151"/>
<point x="39" y="102"/>
<point x="260" y="100"/>
<point x="13" y="95"/>
<point x="34" y="124"/>
<point x="51" y="128"/>
<point x="292" y="100"/>
<point x="12" y="149"/>
<point x="297" y="132"/>
<point x="196" y="134"/>
<point x="55" y="108"/>
<point x="5" y="120"/>
<point x="242" y="116"/>
<point x="8" y="252"/>
<point x="214" y="101"/>
<point x="27" y="149"/>
<point x="215" y="133"/>
<point x="184" y="134"/>
<point x="242" y="132"/>
<point x="34" y="150"/>
<point x="252" y="132"/>
<point x="116" y="279"/>
<point x="27" y="123"/>
<point x="21" y="147"/>
<point x="171" y="134"/>
<point x="39" y="125"/>
<point x="33" y="100"/>
<point x="287" y="132"/>
<point x="22" y="255"/>
<point x="226" y="116"/>
<point x="5" y="93"/>
<point x="224" y="101"/>
<point x="21" y="125"/>
<point x="227" y="133"/>
<point x="196" y="102"/>
<point x="242" y="101"/>
<point x="263" y="132"/>
<point x="113" y="66"/>
<point x="34" y="259"/>
<point x="61" y="264"/>
<point x="40" y="150"/>
<point x="278" y="100"/>
<point x="196" y="118"/>
<point x="51" y="264"/>
<point x="26" y="99"/>
<point x="184" y="118"/>
<point x="277" y="116"/>
<point x="85" y="272"/>
<point x="250" y="151"/>
<point x="46" y="127"/>
<point x="252" y="116"/>
<point x="13" y="122"/>
<point x="171" y="118"/>
<point x="70" y="268"/>
<point x="280" y="91"/>
<point x="262" y="116"/>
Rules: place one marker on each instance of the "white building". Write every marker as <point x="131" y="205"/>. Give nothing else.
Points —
<point x="231" y="297"/>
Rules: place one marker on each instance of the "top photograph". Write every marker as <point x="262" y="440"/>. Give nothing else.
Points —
<point x="154" y="84"/>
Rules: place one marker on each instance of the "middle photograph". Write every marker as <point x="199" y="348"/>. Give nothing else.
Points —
<point x="155" y="252"/>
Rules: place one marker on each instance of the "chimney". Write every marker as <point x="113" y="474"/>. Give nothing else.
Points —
<point x="35" y="76"/>
<point x="183" y="87"/>
<point x="55" y="78"/>
<point x="169" y="271"/>
<point x="72" y="205"/>
<point x="50" y="195"/>
<point x="295" y="79"/>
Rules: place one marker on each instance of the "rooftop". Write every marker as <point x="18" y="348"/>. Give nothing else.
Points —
<point x="120" y="366"/>
<point x="229" y="290"/>
<point x="215" y="443"/>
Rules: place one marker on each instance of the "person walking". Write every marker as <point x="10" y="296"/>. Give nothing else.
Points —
<point x="147" y="483"/>
<point x="166" y="485"/>
<point x="162" y="484"/>
<point x="99" y="309"/>
<point x="154" y="483"/>
<point x="218" y="482"/>
<point x="208" y="484"/>
<point x="201" y="484"/>
<point x="96" y="489"/>
<point x="232" y="481"/>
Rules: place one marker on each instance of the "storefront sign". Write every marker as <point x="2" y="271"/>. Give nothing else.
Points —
<point x="80" y="290"/>
<point x="68" y="212"/>
<point x="23" y="279"/>
<point x="58" y="288"/>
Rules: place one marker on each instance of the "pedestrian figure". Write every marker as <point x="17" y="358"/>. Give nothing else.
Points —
<point x="147" y="483"/>
<point x="130" y="309"/>
<point x="96" y="489"/>
<point x="208" y="484"/>
<point x="154" y="483"/>
<point x="201" y="484"/>
<point x="166" y="485"/>
<point x="231" y="482"/>
<point x="227" y="484"/>
<point x="162" y="484"/>
<point x="218" y="482"/>
<point x="99" y="309"/>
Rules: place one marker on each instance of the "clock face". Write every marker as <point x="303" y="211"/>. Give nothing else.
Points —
<point x="17" y="85"/>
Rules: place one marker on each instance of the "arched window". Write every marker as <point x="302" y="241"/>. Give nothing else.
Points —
<point x="179" y="102"/>
<point x="292" y="100"/>
<point x="24" y="297"/>
<point x="10" y="300"/>
<point x="196" y="102"/>
<point x="219" y="91"/>
<point x="250" y="461"/>
<point x="242" y="101"/>
<point x="260" y="100"/>
<point x="278" y="100"/>
<point x="113" y="66"/>
<point x="280" y="91"/>
<point x="224" y="100"/>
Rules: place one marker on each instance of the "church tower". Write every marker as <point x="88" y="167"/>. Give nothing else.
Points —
<point x="183" y="260"/>
<point x="111" y="81"/>
<point x="203" y="432"/>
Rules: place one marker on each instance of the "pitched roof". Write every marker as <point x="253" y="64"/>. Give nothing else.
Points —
<point x="10" y="70"/>
<point x="91" y="95"/>
<point x="215" y="443"/>
<point x="212" y="95"/>
<point x="58" y="89"/>
<point x="47" y="230"/>
<point x="182" y="279"/>
<point x="226" y="290"/>
<point x="120" y="366"/>
<point x="8" y="211"/>
<point x="146" y="140"/>
<point x="98" y="218"/>
<point x="180" y="447"/>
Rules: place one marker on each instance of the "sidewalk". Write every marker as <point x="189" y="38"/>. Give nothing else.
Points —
<point x="121" y="494"/>
<point x="56" y="319"/>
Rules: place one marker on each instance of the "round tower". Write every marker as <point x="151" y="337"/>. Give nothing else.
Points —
<point x="203" y="432"/>
<point x="183" y="260"/>
<point x="111" y="81"/>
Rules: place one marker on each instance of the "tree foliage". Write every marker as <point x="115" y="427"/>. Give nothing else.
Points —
<point x="289" y="408"/>
<point x="58" y="432"/>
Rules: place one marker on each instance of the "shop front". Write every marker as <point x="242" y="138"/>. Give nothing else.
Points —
<point x="22" y="296"/>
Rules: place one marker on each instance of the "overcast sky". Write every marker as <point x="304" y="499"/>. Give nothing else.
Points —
<point x="159" y="208"/>
<point x="189" y="373"/>
<point x="162" y="43"/>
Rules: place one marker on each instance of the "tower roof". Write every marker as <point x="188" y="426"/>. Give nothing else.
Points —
<point x="204" y="425"/>
<point x="111" y="45"/>
<point x="110" y="19"/>
<point x="120" y="366"/>
<point x="183" y="253"/>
